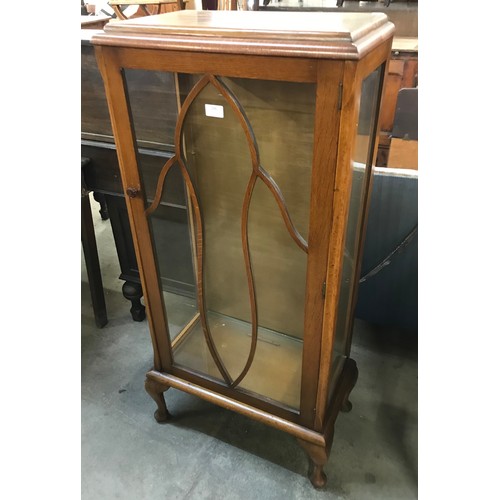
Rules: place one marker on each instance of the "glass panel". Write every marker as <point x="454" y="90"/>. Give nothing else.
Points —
<point x="95" y="121"/>
<point x="282" y="119"/>
<point x="276" y="368"/>
<point x="218" y="160"/>
<point x="279" y="266"/>
<point x="153" y="105"/>
<point x="362" y="155"/>
<point x="218" y="157"/>
<point x="171" y="237"/>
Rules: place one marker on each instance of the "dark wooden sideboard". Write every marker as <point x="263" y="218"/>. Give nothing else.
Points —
<point x="149" y="92"/>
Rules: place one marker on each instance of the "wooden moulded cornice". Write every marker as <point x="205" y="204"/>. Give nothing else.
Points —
<point x="318" y="35"/>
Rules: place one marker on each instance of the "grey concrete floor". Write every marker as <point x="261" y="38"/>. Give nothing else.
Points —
<point x="207" y="452"/>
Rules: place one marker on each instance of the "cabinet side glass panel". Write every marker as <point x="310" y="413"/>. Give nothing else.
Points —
<point x="365" y="131"/>
<point x="153" y="106"/>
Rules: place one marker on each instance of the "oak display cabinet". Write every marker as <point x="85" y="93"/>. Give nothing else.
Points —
<point x="274" y="142"/>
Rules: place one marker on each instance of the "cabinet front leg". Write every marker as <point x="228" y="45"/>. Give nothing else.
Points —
<point x="156" y="390"/>
<point x="318" y="456"/>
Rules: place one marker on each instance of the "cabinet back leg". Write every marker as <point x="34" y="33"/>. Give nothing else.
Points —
<point x="352" y="379"/>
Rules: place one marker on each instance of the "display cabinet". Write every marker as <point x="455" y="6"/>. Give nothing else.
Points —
<point x="274" y="142"/>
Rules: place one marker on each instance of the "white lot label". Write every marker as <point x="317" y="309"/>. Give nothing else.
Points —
<point x="214" y="110"/>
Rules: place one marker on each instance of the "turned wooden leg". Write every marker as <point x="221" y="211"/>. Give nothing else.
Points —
<point x="89" y="245"/>
<point x="133" y="292"/>
<point x="318" y="456"/>
<point x="156" y="390"/>
<point x="101" y="199"/>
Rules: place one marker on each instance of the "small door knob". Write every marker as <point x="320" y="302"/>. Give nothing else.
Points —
<point x="132" y="192"/>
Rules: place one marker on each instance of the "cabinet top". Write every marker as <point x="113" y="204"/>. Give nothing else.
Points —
<point x="340" y="35"/>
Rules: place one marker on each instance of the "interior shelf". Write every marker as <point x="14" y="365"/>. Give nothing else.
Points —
<point x="276" y="369"/>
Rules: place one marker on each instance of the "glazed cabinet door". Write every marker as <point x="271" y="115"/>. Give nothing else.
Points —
<point x="246" y="155"/>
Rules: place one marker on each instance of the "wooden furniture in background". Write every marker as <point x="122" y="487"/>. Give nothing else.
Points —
<point x="91" y="254"/>
<point x="227" y="4"/>
<point x="403" y="14"/>
<point x="403" y="67"/>
<point x="403" y="154"/>
<point x="145" y="7"/>
<point x="403" y="73"/>
<point x="150" y="92"/>
<point x="275" y="214"/>
<point x="94" y="22"/>
<point x="221" y="5"/>
<point x="404" y="137"/>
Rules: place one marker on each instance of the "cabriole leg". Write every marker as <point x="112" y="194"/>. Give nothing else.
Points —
<point x="346" y="404"/>
<point x="318" y="456"/>
<point x="156" y="390"/>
